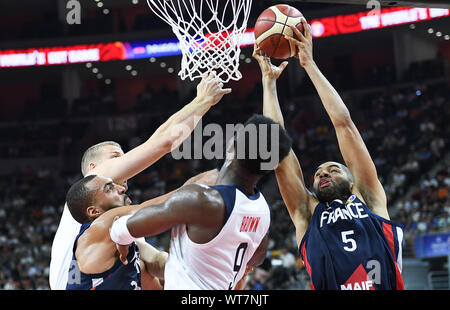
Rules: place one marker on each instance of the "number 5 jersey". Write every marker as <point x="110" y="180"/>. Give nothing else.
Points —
<point x="220" y="263"/>
<point x="348" y="247"/>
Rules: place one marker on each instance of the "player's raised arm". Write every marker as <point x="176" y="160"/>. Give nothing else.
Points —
<point x="167" y="137"/>
<point x="351" y="144"/>
<point x="289" y="174"/>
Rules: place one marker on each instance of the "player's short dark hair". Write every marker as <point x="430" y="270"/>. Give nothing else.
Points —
<point x="79" y="197"/>
<point x="254" y="165"/>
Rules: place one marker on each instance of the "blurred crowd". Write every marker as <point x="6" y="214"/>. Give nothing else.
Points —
<point x="426" y="209"/>
<point x="405" y="130"/>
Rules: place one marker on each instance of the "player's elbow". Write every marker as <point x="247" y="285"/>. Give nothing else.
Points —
<point x="168" y="146"/>
<point x="342" y="120"/>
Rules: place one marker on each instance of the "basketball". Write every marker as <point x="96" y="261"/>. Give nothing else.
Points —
<point x="272" y="25"/>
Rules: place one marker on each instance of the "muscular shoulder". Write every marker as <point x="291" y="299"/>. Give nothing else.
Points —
<point x="204" y="204"/>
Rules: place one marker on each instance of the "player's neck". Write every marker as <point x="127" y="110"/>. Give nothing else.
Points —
<point x="239" y="178"/>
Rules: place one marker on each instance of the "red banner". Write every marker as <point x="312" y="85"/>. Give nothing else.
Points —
<point x="62" y="55"/>
<point x="342" y="24"/>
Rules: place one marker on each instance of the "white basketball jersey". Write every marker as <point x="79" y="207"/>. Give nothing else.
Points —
<point x="62" y="248"/>
<point x="220" y="263"/>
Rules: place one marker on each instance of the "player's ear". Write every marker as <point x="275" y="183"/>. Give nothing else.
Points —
<point x="93" y="211"/>
<point x="91" y="166"/>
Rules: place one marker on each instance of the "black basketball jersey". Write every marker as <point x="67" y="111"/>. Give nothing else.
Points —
<point x="348" y="247"/>
<point x="118" y="277"/>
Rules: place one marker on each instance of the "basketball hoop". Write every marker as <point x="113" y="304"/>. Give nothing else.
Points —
<point x="210" y="34"/>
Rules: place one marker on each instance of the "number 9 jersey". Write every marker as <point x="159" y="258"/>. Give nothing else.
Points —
<point x="220" y="263"/>
<point x="348" y="247"/>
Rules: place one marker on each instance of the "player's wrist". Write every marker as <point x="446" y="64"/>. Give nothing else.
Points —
<point x="204" y="100"/>
<point x="309" y="65"/>
<point x="269" y="81"/>
<point x="119" y="232"/>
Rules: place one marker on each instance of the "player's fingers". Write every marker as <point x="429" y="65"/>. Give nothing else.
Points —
<point x="298" y="33"/>
<point x="203" y="80"/>
<point x="226" y="91"/>
<point x="283" y="66"/>
<point x="306" y="28"/>
<point x="212" y="75"/>
<point x="123" y="252"/>
<point x="257" y="53"/>
<point x="207" y="78"/>
<point x="123" y="259"/>
<point x="256" y="49"/>
<point x="295" y="41"/>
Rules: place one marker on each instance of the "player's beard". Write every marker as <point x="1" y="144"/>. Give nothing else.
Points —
<point x="338" y="190"/>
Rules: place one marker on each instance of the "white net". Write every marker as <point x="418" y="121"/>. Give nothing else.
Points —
<point x="210" y="34"/>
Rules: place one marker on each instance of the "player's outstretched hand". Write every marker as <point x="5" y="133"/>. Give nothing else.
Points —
<point x="304" y="43"/>
<point x="123" y="253"/>
<point x="211" y="89"/>
<point x="269" y="71"/>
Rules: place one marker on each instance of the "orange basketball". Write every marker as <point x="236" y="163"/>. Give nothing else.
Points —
<point x="272" y="25"/>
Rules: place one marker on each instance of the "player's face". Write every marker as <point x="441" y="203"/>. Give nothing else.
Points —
<point x="108" y="194"/>
<point x="110" y="151"/>
<point x="331" y="181"/>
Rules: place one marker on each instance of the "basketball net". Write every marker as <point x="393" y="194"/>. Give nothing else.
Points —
<point x="210" y="34"/>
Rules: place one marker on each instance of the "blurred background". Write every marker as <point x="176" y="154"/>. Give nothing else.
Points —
<point x="114" y="77"/>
